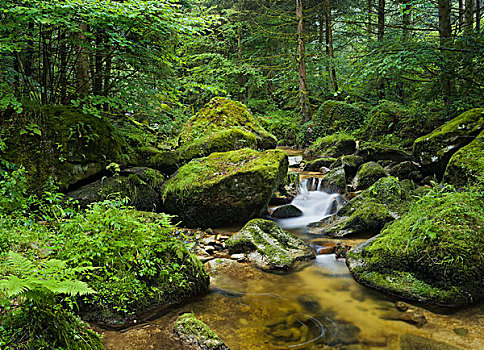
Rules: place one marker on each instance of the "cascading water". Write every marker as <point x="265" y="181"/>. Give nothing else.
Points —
<point x="315" y="204"/>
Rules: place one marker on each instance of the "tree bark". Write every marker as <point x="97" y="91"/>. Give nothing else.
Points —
<point x="445" y="36"/>
<point x="97" y="86"/>
<point x="329" y="43"/>
<point x="82" y="71"/>
<point x="478" y="15"/>
<point x="303" y="92"/>
<point x="369" y="4"/>
<point x="469" y="16"/>
<point x="239" y="53"/>
<point x="460" y="19"/>
<point x="380" y="90"/>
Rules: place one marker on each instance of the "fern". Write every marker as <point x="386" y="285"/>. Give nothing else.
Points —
<point x="41" y="281"/>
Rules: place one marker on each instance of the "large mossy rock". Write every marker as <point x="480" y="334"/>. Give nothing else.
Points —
<point x="61" y="144"/>
<point x="435" y="149"/>
<point x="194" y="332"/>
<point x="334" y="181"/>
<point x="222" y="141"/>
<point x="369" y="218"/>
<point x="432" y="254"/>
<point x="142" y="186"/>
<point x="384" y="118"/>
<point x="224" y="188"/>
<point x="221" y="114"/>
<point x="268" y="246"/>
<point x="394" y="194"/>
<point x="371" y="151"/>
<point x="368" y="174"/>
<point x="466" y="166"/>
<point x="334" y="146"/>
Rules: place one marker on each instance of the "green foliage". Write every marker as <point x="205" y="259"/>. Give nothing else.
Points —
<point x="284" y="124"/>
<point x="39" y="282"/>
<point x="138" y="264"/>
<point x="49" y="327"/>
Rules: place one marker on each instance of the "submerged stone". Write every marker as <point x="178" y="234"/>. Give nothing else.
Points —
<point x="194" y="332"/>
<point x="416" y="342"/>
<point x="268" y="246"/>
<point x="224" y="188"/>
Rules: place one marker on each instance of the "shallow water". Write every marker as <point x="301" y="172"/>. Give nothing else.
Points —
<point x="319" y="306"/>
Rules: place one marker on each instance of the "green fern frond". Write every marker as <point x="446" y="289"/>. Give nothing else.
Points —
<point x="20" y="263"/>
<point x="73" y="288"/>
<point x="13" y="286"/>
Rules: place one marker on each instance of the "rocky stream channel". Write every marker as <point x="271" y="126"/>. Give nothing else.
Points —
<point x="317" y="306"/>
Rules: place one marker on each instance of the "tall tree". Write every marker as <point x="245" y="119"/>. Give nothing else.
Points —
<point x="380" y="35"/>
<point x="445" y="35"/>
<point x="329" y="44"/>
<point x="301" y="57"/>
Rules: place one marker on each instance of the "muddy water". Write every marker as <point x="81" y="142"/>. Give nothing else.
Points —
<point x="319" y="306"/>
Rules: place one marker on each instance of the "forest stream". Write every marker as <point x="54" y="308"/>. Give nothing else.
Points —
<point x="319" y="306"/>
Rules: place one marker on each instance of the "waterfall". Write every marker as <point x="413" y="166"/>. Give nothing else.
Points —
<point x="315" y="205"/>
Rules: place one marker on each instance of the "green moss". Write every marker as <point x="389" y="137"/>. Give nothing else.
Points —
<point x="432" y="253"/>
<point x="72" y="146"/>
<point x="225" y="187"/>
<point x="368" y="174"/>
<point x="388" y="191"/>
<point x="466" y="166"/>
<point x="335" y="181"/>
<point x="384" y="119"/>
<point x="317" y="164"/>
<point x="436" y="148"/>
<point x="194" y="331"/>
<point x="222" y="141"/>
<point x="335" y="145"/>
<point x="221" y="113"/>
<point x="269" y="247"/>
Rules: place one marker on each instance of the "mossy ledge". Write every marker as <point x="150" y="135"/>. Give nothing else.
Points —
<point x="225" y="187"/>
<point x="431" y="254"/>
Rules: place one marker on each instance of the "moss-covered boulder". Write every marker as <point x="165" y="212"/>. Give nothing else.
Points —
<point x="435" y="149"/>
<point x="224" y="188"/>
<point x="221" y="114"/>
<point x="141" y="185"/>
<point x="268" y="246"/>
<point x="406" y="170"/>
<point x="287" y="211"/>
<point x="371" y="151"/>
<point x="384" y="119"/>
<point x="350" y="164"/>
<point x="368" y="174"/>
<point x="333" y="117"/>
<point x="394" y="194"/>
<point x="334" y="146"/>
<point x="466" y="166"/>
<point x="222" y="141"/>
<point x="194" y="332"/>
<point x="61" y="144"/>
<point x="369" y="218"/>
<point x="335" y="181"/>
<point x="319" y="163"/>
<point x="432" y="254"/>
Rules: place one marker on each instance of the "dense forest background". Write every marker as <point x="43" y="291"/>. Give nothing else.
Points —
<point x="161" y="61"/>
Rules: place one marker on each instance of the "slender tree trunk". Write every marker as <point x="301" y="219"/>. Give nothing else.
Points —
<point x="46" y="76"/>
<point x="82" y="73"/>
<point x="445" y="34"/>
<point x="240" y="52"/>
<point x="63" y="68"/>
<point x="107" y="70"/>
<point x="478" y="15"/>
<point x="380" y="91"/>
<point x="303" y="92"/>
<point x="460" y="19"/>
<point x="97" y="86"/>
<point x="369" y="4"/>
<point x="469" y="16"/>
<point x="406" y="20"/>
<point x="329" y="43"/>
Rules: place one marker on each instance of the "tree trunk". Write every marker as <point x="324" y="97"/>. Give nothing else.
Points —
<point x="303" y="92"/>
<point x="97" y="86"/>
<point x="329" y="36"/>
<point x="445" y="34"/>
<point x="406" y="20"/>
<point x="478" y="15"/>
<point x="239" y="53"/>
<point x="380" y="90"/>
<point x="82" y="72"/>
<point x="63" y="68"/>
<point x="460" y="19"/>
<point x="469" y="16"/>
<point x="369" y="4"/>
